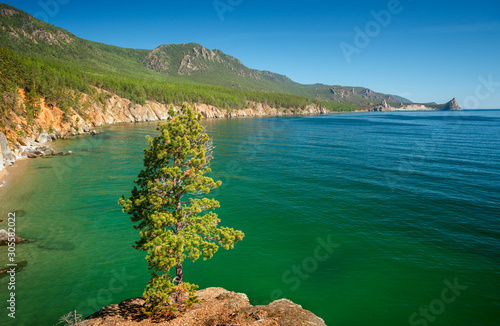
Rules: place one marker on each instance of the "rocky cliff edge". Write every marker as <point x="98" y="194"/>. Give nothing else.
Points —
<point x="217" y="306"/>
<point x="22" y="137"/>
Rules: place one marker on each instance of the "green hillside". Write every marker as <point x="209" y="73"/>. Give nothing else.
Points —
<point x="179" y="68"/>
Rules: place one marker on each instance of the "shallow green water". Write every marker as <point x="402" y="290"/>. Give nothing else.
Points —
<point x="360" y="218"/>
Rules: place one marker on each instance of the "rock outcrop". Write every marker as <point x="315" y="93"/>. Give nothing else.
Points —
<point x="43" y="137"/>
<point x="4" y="238"/>
<point x="7" y="156"/>
<point x="382" y="107"/>
<point x="384" y="104"/>
<point x="452" y="105"/>
<point x="216" y="306"/>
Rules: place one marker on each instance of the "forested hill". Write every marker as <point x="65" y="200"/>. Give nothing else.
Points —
<point x="180" y="64"/>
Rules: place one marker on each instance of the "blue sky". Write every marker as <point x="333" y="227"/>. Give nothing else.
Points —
<point x="423" y="50"/>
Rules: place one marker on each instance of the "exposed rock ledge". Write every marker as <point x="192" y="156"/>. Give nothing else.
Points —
<point x="51" y="122"/>
<point x="217" y="306"/>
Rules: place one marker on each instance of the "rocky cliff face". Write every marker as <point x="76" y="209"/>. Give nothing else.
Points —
<point x="452" y="105"/>
<point x="52" y="123"/>
<point x="5" y="153"/>
<point x="217" y="306"/>
<point x="191" y="59"/>
<point x="356" y="94"/>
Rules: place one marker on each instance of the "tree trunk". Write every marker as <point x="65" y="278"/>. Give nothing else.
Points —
<point x="178" y="274"/>
<point x="178" y="269"/>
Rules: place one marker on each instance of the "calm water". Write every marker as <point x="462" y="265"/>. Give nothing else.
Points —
<point x="361" y="218"/>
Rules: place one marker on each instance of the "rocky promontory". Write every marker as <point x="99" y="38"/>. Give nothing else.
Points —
<point x="449" y="106"/>
<point x="216" y="306"/>
<point x="452" y="105"/>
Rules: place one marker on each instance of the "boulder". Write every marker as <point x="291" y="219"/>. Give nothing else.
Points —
<point x="43" y="148"/>
<point x="384" y="104"/>
<point x="28" y="141"/>
<point x="17" y="150"/>
<point x="71" y="132"/>
<point x="58" y="134"/>
<point x="32" y="153"/>
<point x="7" y="157"/>
<point x="52" y="152"/>
<point x="4" y="238"/>
<point x="23" y="142"/>
<point x="53" y="136"/>
<point x="18" y="268"/>
<point x="43" y="137"/>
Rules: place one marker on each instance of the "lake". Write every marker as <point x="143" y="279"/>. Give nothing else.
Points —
<point x="383" y="218"/>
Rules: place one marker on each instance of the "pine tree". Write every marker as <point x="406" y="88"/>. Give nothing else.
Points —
<point x="174" y="222"/>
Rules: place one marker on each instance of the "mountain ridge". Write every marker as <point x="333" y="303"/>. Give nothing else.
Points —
<point x="187" y="62"/>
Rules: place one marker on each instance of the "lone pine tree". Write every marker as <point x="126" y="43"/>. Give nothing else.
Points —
<point x="174" y="222"/>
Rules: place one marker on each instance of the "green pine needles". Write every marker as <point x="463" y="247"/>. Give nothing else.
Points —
<point x="174" y="222"/>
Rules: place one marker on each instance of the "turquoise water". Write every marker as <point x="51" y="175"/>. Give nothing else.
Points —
<point x="361" y="218"/>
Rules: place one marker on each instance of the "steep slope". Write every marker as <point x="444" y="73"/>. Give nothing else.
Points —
<point x="452" y="105"/>
<point x="197" y="63"/>
<point x="175" y="63"/>
<point x="29" y="36"/>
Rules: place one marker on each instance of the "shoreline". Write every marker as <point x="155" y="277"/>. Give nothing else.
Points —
<point x="7" y="176"/>
<point x="4" y="174"/>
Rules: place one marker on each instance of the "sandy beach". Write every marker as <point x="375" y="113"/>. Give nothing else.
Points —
<point x="9" y="173"/>
<point x="3" y="172"/>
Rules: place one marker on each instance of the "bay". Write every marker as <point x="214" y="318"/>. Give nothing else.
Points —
<point x="362" y="218"/>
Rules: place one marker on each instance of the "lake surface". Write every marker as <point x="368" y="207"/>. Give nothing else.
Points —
<point x="362" y="218"/>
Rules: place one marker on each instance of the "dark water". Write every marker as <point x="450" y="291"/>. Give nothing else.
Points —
<point x="364" y="219"/>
